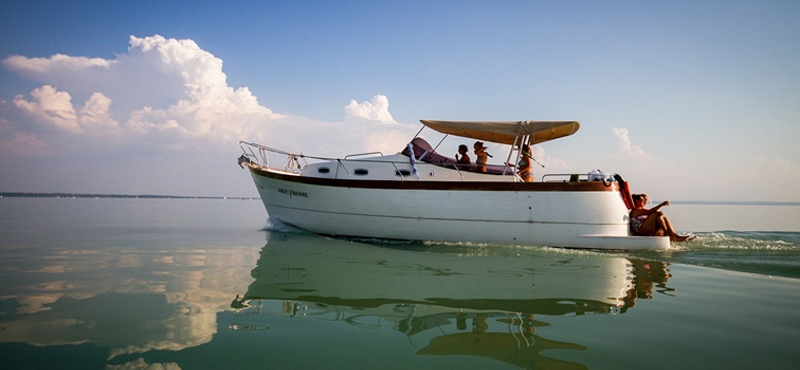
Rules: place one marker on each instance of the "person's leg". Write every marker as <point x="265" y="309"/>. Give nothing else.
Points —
<point x="650" y="225"/>
<point x="663" y="224"/>
<point x="656" y="224"/>
<point x="669" y="230"/>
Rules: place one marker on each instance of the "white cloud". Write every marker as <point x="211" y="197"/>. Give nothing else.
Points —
<point x="57" y="64"/>
<point x="173" y="93"/>
<point x="50" y="106"/>
<point x="164" y="86"/>
<point x="53" y="107"/>
<point x="625" y="145"/>
<point x="212" y="109"/>
<point x="551" y="164"/>
<point x="162" y="97"/>
<point x="375" y="110"/>
<point x="95" y="113"/>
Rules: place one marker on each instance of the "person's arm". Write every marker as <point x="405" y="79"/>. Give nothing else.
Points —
<point x="656" y="208"/>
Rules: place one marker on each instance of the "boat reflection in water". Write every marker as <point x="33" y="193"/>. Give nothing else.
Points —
<point x="467" y="300"/>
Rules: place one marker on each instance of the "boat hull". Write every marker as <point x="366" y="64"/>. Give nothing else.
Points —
<point x="573" y="215"/>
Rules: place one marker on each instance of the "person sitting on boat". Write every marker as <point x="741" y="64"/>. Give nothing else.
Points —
<point x="650" y="222"/>
<point x="525" y="169"/>
<point x="481" y="156"/>
<point x="463" y="161"/>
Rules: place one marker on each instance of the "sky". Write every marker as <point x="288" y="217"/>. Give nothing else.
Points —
<point x="687" y="100"/>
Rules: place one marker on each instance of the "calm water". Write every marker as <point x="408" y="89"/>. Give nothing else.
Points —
<point x="204" y="284"/>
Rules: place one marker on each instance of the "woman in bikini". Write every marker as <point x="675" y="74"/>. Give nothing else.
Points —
<point x="482" y="157"/>
<point x="649" y="222"/>
<point x="524" y="169"/>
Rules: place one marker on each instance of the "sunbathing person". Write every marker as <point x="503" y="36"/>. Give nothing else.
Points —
<point x="650" y="222"/>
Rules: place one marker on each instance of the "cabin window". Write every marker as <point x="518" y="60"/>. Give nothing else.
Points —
<point x="361" y="171"/>
<point x="324" y="170"/>
<point x="403" y="173"/>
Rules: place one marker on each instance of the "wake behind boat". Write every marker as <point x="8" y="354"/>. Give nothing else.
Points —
<point x="419" y="194"/>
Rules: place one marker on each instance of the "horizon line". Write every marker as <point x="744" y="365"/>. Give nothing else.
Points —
<point x="13" y="194"/>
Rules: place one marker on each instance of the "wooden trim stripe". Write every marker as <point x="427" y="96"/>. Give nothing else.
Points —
<point x="583" y="186"/>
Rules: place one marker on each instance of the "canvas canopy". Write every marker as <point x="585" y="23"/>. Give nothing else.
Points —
<point x="506" y="132"/>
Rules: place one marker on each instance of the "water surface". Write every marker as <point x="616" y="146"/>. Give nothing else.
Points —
<point x="202" y="284"/>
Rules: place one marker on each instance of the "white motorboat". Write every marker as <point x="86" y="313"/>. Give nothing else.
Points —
<point x="419" y="194"/>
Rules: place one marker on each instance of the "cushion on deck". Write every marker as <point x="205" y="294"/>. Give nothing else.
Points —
<point x="422" y="147"/>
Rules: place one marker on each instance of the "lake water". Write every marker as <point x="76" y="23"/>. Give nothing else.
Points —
<point x="210" y="284"/>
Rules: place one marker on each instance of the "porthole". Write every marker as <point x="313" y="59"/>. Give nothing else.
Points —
<point x="402" y="173"/>
<point x="361" y="172"/>
<point x="324" y="170"/>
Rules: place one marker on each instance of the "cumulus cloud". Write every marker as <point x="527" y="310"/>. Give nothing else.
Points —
<point x="375" y="110"/>
<point x="55" y="107"/>
<point x="50" y="106"/>
<point x="625" y="145"/>
<point x="162" y="97"/>
<point x="95" y="113"/>
<point x="56" y="65"/>
<point x="551" y="163"/>
<point x="173" y="93"/>
<point x="163" y="86"/>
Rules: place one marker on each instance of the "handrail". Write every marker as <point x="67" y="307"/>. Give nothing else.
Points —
<point x="265" y="148"/>
<point x="339" y="164"/>
<point x="259" y="155"/>
<point x="360" y="154"/>
<point x="262" y="159"/>
<point x="569" y="177"/>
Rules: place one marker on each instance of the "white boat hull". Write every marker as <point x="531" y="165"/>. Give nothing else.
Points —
<point x="573" y="215"/>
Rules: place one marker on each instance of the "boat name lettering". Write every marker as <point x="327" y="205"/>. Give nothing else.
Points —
<point x="292" y="193"/>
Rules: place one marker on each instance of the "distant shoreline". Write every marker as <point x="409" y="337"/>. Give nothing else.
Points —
<point x="151" y="196"/>
<point x="121" y="196"/>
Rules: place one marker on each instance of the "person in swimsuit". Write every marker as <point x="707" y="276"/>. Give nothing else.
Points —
<point x="524" y="170"/>
<point x="649" y="222"/>
<point x="481" y="156"/>
<point x="463" y="161"/>
<point x="637" y="223"/>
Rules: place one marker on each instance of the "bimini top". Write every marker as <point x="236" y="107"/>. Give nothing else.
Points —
<point x="506" y="132"/>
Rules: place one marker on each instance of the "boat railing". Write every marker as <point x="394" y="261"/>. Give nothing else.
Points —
<point x="572" y="177"/>
<point x="403" y="173"/>
<point x="340" y="164"/>
<point x="262" y="156"/>
<point x="259" y="155"/>
<point x="363" y="154"/>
